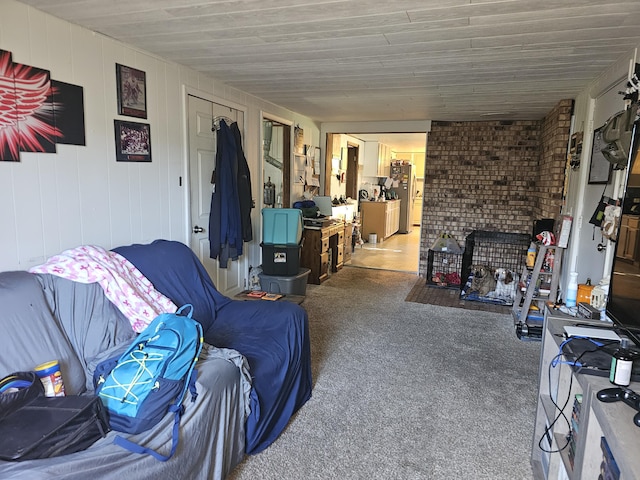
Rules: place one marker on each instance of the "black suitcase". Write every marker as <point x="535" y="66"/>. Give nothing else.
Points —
<point x="51" y="426"/>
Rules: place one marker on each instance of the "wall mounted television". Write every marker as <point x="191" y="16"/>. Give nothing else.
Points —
<point x="623" y="303"/>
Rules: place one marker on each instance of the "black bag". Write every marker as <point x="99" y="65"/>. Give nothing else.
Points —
<point x="34" y="426"/>
<point x="18" y="389"/>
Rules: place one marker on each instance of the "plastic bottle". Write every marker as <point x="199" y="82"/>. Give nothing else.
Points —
<point x="572" y="290"/>
<point x="621" y="365"/>
<point x="531" y="255"/>
<point x="269" y="193"/>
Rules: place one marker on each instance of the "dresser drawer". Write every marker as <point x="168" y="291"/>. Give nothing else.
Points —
<point x="324" y="246"/>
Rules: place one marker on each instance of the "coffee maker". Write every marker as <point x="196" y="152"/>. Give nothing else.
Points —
<point x="382" y="188"/>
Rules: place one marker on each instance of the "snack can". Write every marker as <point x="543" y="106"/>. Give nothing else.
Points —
<point x="51" y="377"/>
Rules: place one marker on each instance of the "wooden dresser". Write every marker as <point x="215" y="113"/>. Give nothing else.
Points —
<point x="322" y="245"/>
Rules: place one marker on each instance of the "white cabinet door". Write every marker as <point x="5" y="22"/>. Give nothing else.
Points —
<point x="384" y="160"/>
<point x="370" y="168"/>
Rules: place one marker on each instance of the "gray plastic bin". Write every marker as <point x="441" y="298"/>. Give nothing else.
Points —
<point x="291" y="285"/>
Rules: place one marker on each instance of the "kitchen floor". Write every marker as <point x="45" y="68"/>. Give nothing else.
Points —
<point x="399" y="252"/>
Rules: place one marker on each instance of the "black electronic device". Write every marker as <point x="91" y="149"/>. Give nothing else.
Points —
<point x="525" y="332"/>
<point x="585" y="310"/>
<point x="627" y="395"/>
<point x="623" y="301"/>
<point x="593" y="357"/>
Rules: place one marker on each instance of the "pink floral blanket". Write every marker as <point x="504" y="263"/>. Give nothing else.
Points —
<point x="123" y="284"/>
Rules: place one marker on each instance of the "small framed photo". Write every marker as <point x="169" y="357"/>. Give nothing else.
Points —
<point x="132" y="91"/>
<point x="599" y="168"/>
<point x="133" y="141"/>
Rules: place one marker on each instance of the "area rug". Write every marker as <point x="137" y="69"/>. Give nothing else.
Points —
<point x="449" y="297"/>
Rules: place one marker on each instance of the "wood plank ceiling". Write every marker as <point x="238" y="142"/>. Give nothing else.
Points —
<point x="366" y="60"/>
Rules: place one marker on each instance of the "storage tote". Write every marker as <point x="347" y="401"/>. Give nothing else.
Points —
<point x="280" y="259"/>
<point x="293" y="285"/>
<point x="281" y="226"/>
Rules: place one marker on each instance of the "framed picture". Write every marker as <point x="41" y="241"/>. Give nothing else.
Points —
<point x="132" y="91"/>
<point x="599" y="168"/>
<point x="133" y="141"/>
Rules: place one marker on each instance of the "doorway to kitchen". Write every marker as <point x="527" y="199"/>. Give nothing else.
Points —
<point x="390" y="172"/>
<point x="400" y="252"/>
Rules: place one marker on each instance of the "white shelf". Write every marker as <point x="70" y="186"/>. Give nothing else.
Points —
<point x="614" y="420"/>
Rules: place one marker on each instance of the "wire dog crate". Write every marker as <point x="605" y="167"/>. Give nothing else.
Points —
<point x="443" y="269"/>
<point x="495" y="250"/>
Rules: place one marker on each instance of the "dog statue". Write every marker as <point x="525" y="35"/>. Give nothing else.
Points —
<point x="483" y="280"/>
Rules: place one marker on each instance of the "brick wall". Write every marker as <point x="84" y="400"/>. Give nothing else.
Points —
<point x="495" y="175"/>
<point x="555" y="138"/>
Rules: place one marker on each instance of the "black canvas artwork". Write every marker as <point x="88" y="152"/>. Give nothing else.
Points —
<point x="68" y="103"/>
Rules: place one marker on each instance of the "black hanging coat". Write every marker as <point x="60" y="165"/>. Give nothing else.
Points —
<point x="244" y="186"/>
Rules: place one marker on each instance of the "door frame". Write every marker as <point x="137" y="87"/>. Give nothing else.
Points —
<point x="327" y="130"/>
<point x="287" y="157"/>
<point x="353" y="175"/>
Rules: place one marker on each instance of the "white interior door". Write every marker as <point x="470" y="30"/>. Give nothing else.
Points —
<point x="202" y="161"/>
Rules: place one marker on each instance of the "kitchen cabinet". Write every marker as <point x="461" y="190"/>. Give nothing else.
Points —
<point x="417" y="211"/>
<point x="628" y="238"/>
<point x="381" y="218"/>
<point x="370" y="166"/>
<point x="384" y="160"/>
<point x="377" y="159"/>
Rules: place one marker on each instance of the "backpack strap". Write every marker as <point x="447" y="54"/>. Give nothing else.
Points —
<point x="136" y="448"/>
<point x="183" y="307"/>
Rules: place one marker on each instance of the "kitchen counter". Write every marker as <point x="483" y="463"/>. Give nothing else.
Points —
<point x="381" y="218"/>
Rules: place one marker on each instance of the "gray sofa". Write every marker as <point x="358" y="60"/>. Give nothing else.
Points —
<point x="47" y="318"/>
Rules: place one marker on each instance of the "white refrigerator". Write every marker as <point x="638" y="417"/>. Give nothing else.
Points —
<point x="403" y="178"/>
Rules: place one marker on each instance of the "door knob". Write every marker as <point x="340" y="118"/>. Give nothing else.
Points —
<point x="198" y="229"/>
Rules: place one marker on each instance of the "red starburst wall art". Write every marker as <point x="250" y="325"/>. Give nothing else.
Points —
<point x="36" y="113"/>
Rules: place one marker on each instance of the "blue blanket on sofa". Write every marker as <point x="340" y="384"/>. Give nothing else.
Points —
<point x="273" y="336"/>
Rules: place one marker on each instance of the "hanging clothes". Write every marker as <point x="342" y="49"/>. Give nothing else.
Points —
<point x="244" y="186"/>
<point x="225" y="225"/>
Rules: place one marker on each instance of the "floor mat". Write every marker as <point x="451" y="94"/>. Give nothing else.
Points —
<point x="448" y="297"/>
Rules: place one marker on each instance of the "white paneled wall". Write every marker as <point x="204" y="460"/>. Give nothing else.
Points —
<point x="81" y="195"/>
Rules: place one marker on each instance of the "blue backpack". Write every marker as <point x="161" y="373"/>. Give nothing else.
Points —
<point x="151" y="378"/>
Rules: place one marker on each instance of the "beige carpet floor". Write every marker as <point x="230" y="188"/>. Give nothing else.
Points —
<point x="404" y="390"/>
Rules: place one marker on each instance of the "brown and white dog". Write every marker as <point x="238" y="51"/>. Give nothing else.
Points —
<point x="506" y="284"/>
<point x="483" y="280"/>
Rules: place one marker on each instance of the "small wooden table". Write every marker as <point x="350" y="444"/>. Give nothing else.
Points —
<point x="285" y="297"/>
